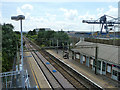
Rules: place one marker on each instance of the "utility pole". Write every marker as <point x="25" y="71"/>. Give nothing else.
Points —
<point x="57" y="46"/>
<point x="68" y="45"/>
<point x="63" y="48"/>
<point x="114" y="36"/>
<point x="92" y="28"/>
<point x="93" y="31"/>
<point x="96" y="57"/>
<point x="52" y="43"/>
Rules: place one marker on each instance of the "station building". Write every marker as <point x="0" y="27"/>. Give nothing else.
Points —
<point x="108" y="62"/>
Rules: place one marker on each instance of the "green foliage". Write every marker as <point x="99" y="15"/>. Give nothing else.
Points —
<point x="62" y="37"/>
<point x="10" y="40"/>
<point x="32" y="32"/>
<point x="47" y="38"/>
<point x="44" y="37"/>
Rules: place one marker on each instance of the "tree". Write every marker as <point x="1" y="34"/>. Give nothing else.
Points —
<point x="9" y="46"/>
<point x="32" y="32"/>
<point x="62" y="37"/>
<point x="45" y="38"/>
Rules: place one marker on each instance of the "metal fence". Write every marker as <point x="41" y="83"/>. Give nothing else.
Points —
<point x="13" y="79"/>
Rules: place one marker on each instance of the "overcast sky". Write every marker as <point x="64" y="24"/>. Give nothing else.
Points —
<point x="66" y="15"/>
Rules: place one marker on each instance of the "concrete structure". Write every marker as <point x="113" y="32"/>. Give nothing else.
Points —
<point x="108" y="62"/>
<point x="46" y="29"/>
<point x="80" y="34"/>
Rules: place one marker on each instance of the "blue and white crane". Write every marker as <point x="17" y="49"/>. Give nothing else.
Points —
<point x="104" y="22"/>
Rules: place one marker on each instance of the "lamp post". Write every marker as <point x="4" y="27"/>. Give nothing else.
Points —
<point x="21" y="17"/>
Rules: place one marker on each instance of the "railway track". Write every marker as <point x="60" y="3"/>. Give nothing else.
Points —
<point x="71" y="76"/>
<point x="72" y="72"/>
<point x="67" y="74"/>
<point x="51" y="77"/>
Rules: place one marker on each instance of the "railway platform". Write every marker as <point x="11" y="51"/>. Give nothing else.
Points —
<point x="36" y="78"/>
<point x="100" y="80"/>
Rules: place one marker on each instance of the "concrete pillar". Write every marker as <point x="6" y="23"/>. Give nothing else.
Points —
<point x="93" y="68"/>
<point x="73" y="55"/>
<point x="87" y="61"/>
<point x="81" y="59"/>
<point x="105" y="68"/>
<point x="101" y="67"/>
<point x="79" y="56"/>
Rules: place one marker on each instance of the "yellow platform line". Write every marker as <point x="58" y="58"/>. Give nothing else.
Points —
<point x="33" y="72"/>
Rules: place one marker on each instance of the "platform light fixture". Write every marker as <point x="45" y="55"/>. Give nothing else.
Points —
<point x="16" y="18"/>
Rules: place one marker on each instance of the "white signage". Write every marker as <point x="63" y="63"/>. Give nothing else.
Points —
<point x="109" y="69"/>
<point x="91" y="62"/>
<point x="83" y="58"/>
<point x="77" y="56"/>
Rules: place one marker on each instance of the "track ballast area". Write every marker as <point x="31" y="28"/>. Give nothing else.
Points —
<point x="74" y="78"/>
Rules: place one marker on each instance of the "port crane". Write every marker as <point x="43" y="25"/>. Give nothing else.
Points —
<point x="103" y="22"/>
